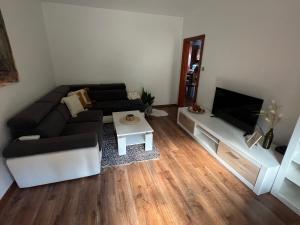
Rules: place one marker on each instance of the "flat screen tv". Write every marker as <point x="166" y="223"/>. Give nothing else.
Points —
<point x="237" y="109"/>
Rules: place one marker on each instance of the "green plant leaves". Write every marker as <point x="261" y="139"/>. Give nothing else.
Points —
<point x="147" y="98"/>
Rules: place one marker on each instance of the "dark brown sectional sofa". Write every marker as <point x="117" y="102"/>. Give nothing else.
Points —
<point x="59" y="132"/>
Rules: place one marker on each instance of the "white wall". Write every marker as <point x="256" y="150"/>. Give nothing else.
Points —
<point x="93" y="45"/>
<point x="251" y="47"/>
<point x="24" y="23"/>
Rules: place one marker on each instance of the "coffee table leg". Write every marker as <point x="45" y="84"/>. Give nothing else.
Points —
<point x="149" y="142"/>
<point x="122" y="145"/>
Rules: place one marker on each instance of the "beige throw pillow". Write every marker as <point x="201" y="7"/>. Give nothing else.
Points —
<point x="83" y="93"/>
<point x="73" y="104"/>
<point x="81" y="99"/>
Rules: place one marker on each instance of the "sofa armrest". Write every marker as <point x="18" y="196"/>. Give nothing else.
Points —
<point x="48" y="145"/>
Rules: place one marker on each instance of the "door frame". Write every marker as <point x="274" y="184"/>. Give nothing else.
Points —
<point x="184" y="67"/>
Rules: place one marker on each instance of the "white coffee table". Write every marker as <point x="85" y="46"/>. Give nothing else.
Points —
<point x="132" y="134"/>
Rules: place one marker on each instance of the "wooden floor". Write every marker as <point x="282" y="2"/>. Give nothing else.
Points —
<point x="186" y="186"/>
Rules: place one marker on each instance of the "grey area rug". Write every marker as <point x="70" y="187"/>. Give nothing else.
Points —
<point x="134" y="153"/>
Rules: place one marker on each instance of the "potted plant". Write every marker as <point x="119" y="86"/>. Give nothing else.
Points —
<point x="272" y="116"/>
<point x="148" y="100"/>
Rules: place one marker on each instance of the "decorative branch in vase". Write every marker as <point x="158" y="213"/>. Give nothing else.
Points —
<point x="272" y="116"/>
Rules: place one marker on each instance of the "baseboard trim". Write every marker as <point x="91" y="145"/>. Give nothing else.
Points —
<point x="7" y="195"/>
<point x="163" y="106"/>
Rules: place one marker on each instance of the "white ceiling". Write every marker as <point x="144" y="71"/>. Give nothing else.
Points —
<point x="163" y="7"/>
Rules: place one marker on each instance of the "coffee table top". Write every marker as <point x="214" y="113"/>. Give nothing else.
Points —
<point x="122" y="129"/>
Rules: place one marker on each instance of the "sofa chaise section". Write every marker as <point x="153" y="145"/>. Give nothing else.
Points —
<point x="68" y="148"/>
<point x="50" y="160"/>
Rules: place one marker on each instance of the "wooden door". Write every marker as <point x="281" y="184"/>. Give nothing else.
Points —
<point x="184" y="67"/>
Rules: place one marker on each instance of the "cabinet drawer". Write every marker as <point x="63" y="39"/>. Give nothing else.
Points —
<point x="240" y="164"/>
<point x="186" y="122"/>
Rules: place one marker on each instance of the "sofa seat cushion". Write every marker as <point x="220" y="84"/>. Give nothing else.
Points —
<point x="108" y="107"/>
<point x="86" y="127"/>
<point x="50" y="145"/>
<point x="87" y="116"/>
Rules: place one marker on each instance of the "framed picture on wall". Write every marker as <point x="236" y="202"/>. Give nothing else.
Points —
<point x="8" y="71"/>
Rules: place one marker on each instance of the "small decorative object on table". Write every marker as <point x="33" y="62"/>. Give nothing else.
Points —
<point x="129" y="117"/>
<point x="148" y="100"/>
<point x="272" y="116"/>
<point x="253" y="139"/>
<point x="196" y="109"/>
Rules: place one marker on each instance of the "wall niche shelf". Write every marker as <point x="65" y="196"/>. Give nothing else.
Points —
<point x="287" y="184"/>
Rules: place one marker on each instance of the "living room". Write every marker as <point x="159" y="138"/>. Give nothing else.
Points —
<point x="250" y="48"/>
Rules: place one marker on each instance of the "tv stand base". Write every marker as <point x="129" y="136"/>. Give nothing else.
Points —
<point x="255" y="167"/>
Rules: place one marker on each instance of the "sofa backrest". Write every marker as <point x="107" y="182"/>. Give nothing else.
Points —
<point x="35" y="121"/>
<point x="99" y="87"/>
<point x="62" y="89"/>
<point x="108" y="95"/>
<point x="104" y="92"/>
<point x="28" y="120"/>
<point x="47" y="116"/>
<point x="55" y="95"/>
<point x="31" y="116"/>
<point x="52" y="125"/>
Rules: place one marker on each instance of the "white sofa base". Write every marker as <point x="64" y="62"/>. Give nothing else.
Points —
<point x="54" y="167"/>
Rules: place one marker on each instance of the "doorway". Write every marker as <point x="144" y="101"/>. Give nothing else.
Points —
<point x="191" y="63"/>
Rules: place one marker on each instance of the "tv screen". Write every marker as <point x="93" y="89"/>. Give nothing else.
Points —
<point x="237" y="109"/>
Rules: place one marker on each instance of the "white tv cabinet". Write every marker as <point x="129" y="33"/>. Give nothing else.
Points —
<point x="255" y="167"/>
<point x="287" y="184"/>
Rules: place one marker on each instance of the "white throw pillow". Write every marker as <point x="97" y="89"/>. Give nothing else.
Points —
<point x="132" y="95"/>
<point x="73" y="104"/>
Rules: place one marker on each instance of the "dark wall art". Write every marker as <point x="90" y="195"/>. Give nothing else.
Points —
<point x="8" y="71"/>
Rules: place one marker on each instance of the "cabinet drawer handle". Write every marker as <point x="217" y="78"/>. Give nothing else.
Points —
<point x="233" y="155"/>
